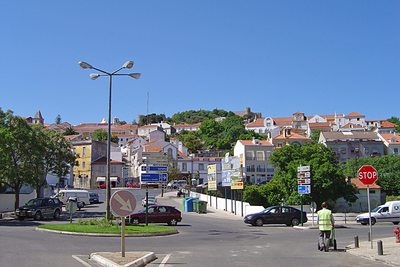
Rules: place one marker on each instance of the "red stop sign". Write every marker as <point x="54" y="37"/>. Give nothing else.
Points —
<point x="367" y="175"/>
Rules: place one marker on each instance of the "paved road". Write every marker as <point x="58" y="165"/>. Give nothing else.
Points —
<point x="212" y="239"/>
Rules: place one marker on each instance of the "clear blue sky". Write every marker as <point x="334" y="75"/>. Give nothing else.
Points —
<point x="277" y="57"/>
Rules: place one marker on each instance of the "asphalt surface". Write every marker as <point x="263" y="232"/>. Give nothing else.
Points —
<point x="389" y="248"/>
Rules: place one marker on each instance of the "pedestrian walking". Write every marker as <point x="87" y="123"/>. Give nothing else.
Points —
<point x="325" y="223"/>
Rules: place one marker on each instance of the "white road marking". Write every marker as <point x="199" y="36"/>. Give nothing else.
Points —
<point x="81" y="261"/>
<point x="164" y="261"/>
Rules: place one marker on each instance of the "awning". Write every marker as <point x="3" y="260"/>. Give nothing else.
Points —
<point x="101" y="179"/>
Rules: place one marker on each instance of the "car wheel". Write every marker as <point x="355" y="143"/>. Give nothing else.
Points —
<point x="295" y="222"/>
<point x="135" y="221"/>
<point x="173" y="222"/>
<point x="373" y="221"/>
<point x="258" y="222"/>
<point x="364" y="223"/>
<point x="395" y="223"/>
<point x="38" y="216"/>
<point x="56" y="214"/>
<point x="21" y="218"/>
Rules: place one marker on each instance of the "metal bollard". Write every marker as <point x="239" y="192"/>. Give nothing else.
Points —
<point x="380" y="247"/>
<point x="356" y="242"/>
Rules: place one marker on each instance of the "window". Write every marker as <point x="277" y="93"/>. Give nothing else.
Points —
<point x="201" y="167"/>
<point x="260" y="155"/>
<point x="83" y="152"/>
<point x="101" y="169"/>
<point x="395" y="151"/>
<point x="184" y="166"/>
<point x="83" y="164"/>
<point x="249" y="155"/>
<point x="113" y="169"/>
<point x="260" y="168"/>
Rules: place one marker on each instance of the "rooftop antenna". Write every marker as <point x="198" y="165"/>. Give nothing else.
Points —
<point x="147" y="108"/>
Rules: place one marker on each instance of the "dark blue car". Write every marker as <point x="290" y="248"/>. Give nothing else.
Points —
<point x="276" y="215"/>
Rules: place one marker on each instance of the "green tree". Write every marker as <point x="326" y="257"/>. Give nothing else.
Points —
<point x="58" y="119"/>
<point x="53" y="154"/>
<point x="269" y="194"/>
<point x="101" y="135"/>
<point x="396" y="121"/>
<point x="328" y="180"/>
<point x="70" y="131"/>
<point x="191" y="141"/>
<point x="387" y="166"/>
<point x="19" y="145"/>
<point x="315" y="136"/>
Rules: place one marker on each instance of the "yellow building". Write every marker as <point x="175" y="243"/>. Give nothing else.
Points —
<point x="88" y="151"/>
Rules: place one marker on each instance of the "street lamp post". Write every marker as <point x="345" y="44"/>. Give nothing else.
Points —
<point x="94" y="76"/>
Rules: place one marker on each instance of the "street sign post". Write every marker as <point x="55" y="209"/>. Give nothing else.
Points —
<point x="303" y="169"/>
<point x="368" y="175"/>
<point x="155" y="161"/>
<point x="155" y="154"/>
<point x="154" y="177"/>
<point x="154" y="168"/>
<point x="122" y="203"/>
<point x="304" y="186"/>
<point x="303" y="175"/>
<point x="304" y="189"/>
<point x="304" y="181"/>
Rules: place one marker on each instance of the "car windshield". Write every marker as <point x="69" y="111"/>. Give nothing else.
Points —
<point x="376" y="209"/>
<point x="267" y="210"/>
<point x="34" y="202"/>
<point x="92" y="194"/>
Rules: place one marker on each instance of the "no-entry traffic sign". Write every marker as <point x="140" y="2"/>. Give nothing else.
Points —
<point x="367" y="175"/>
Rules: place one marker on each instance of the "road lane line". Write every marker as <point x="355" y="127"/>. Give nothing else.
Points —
<point x="81" y="261"/>
<point x="164" y="261"/>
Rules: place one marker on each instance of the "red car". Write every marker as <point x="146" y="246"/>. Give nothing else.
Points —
<point x="157" y="214"/>
<point x="103" y="186"/>
<point x="133" y="185"/>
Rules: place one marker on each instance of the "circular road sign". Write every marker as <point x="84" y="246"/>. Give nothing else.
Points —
<point x="122" y="203"/>
<point x="367" y="175"/>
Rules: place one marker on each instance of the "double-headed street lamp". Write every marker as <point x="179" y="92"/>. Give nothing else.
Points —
<point x="94" y="76"/>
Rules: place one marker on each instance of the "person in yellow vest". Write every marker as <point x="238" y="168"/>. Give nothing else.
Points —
<point x="325" y="223"/>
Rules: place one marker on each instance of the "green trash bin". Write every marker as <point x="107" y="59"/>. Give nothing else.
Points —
<point x="184" y="203"/>
<point x="202" y="207"/>
<point x="196" y="205"/>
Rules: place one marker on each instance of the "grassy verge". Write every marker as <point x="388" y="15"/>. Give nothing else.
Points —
<point x="103" y="227"/>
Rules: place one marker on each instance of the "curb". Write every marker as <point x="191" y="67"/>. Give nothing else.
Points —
<point x="103" y="258"/>
<point x="104" y="235"/>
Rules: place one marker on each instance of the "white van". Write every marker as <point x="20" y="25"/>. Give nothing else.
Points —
<point x="175" y="184"/>
<point x="82" y="195"/>
<point x="388" y="212"/>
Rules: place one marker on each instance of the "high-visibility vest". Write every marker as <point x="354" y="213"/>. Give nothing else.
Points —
<point x="324" y="220"/>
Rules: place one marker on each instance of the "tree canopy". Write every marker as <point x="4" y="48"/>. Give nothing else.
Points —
<point x="28" y="153"/>
<point x="328" y="181"/>
<point x="101" y="135"/>
<point x="388" y="167"/>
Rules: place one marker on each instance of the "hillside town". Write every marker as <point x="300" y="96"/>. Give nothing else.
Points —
<point x="349" y="136"/>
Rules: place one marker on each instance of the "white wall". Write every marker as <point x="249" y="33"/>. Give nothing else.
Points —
<point x="7" y="201"/>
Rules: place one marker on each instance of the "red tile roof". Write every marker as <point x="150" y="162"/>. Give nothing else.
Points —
<point x="360" y="185"/>
<point x="355" y="114"/>
<point x="388" y="124"/>
<point x="250" y="142"/>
